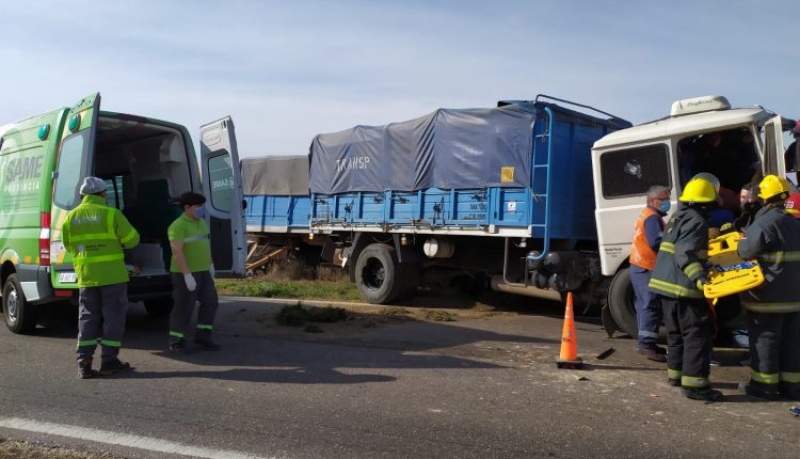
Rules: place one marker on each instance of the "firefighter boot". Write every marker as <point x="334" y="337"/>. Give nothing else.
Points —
<point x="703" y="393"/>
<point x="85" y="367"/>
<point x="760" y="390"/>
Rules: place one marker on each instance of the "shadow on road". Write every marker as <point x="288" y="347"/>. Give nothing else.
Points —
<point x="255" y="352"/>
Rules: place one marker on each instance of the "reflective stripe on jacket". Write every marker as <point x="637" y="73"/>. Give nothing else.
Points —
<point x="680" y="258"/>
<point x="774" y="240"/>
<point x="642" y="252"/>
<point x="95" y="235"/>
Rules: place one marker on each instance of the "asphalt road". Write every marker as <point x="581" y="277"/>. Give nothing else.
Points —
<point x="479" y="388"/>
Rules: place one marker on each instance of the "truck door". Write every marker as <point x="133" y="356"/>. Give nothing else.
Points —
<point x="75" y="159"/>
<point x="222" y="186"/>
<point x="773" y="148"/>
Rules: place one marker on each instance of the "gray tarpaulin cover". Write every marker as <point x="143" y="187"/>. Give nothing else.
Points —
<point x="275" y="175"/>
<point x="448" y="149"/>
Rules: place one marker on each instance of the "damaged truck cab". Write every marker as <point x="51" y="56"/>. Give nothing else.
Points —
<point x="702" y="134"/>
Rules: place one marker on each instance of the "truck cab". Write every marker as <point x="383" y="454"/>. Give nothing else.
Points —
<point x="701" y="134"/>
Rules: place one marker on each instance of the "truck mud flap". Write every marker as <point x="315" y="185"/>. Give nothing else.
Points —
<point x="608" y="322"/>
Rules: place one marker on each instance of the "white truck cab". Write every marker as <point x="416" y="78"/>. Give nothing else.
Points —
<point x="701" y="134"/>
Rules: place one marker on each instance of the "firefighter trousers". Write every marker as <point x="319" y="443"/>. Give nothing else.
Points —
<point x="181" y="317"/>
<point x="775" y="349"/>
<point x="101" y="318"/>
<point x="688" y="323"/>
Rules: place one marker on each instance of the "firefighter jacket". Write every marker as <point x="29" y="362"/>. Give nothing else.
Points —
<point x="683" y="250"/>
<point x="774" y="240"/>
<point x="95" y="235"/>
<point x="645" y="243"/>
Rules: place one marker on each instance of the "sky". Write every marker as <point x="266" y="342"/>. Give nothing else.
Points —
<point x="288" y="70"/>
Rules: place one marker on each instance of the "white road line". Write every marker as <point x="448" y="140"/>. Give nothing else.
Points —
<point x="120" y="439"/>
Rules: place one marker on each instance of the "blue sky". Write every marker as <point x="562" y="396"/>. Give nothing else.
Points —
<point x="286" y="71"/>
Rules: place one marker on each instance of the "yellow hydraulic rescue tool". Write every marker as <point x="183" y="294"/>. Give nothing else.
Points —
<point x="728" y="273"/>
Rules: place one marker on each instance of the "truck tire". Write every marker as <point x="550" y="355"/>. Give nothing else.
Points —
<point x="622" y="302"/>
<point x="158" y="307"/>
<point x="19" y="314"/>
<point x="377" y="274"/>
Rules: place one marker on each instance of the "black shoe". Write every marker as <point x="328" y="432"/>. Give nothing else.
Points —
<point x="706" y="394"/>
<point x="114" y="366"/>
<point x="179" y="347"/>
<point x="660" y="350"/>
<point x="754" y="389"/>
<point x="791" y="395"/>
<point x="789" y="391"/>
<point x="674" y="382"/>
<point x="85" y="369"/>
<point x="652" y="354"/>
<point x="207" y="345"/>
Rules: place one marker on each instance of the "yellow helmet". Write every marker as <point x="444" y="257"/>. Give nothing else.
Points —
<point x="699" y="189"/>
<point x="772" y="186"/>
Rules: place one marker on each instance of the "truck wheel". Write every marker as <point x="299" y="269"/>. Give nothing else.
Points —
<point x="19" y="314"/>
<point x="622" y="302"/>
<point x="158" y="307"/>
<point x="377" y="274"/>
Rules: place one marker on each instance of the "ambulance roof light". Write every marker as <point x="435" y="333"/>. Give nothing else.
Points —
<point x="699" y="105"/>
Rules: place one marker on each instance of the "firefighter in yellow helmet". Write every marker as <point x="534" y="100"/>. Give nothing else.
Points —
<point x="677" y="280"/>
<point x="773" y="308"/>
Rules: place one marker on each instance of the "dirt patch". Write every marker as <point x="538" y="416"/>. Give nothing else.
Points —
<point x="24" y="450"/>
<point x="351" y="318"/>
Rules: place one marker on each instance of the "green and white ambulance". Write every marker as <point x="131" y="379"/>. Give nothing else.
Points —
<point x="146" y="164"/>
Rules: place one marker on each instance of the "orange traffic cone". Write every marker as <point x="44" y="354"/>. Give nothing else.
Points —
<point x="569" y="345"/>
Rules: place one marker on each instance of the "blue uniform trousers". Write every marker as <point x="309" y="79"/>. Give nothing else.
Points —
<point x="648" y="308"/>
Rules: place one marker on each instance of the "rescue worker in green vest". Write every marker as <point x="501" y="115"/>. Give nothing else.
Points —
<point x="773" y="308"/>
<point x="95" y="235"/>
<point x="192" y="276"/>
<point x="677" y="280"/>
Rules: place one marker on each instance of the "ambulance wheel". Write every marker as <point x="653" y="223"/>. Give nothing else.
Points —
<point x="158" y="307"/>
<point x="622" y="303"/>
<point x="19" y="314"/>
<point x="377" y="274"/>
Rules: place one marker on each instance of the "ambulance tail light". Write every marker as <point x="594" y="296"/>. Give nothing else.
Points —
<point x="44" y="240"/>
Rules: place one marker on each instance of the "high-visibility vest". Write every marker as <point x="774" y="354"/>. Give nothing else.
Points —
<point x="95" y="235"/>
<point x="641" y="253"/>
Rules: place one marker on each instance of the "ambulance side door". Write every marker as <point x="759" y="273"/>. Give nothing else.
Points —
<point x="222" y="186"/>
<point x="74" y="162"/>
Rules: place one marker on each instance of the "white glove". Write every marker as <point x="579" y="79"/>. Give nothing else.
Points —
<point x="190" y="282"/>
<point x="211" y="270"/>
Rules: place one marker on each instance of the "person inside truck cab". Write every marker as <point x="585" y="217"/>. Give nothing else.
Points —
<point x="728" y="155"/>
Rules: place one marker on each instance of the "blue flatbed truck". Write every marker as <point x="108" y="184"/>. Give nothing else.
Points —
<point x="500" y="195"/>
<point x="535" y="198"/>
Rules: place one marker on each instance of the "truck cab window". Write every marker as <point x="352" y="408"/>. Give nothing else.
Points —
<point x="731" y="155"/>
<point x="633" y="171"/>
